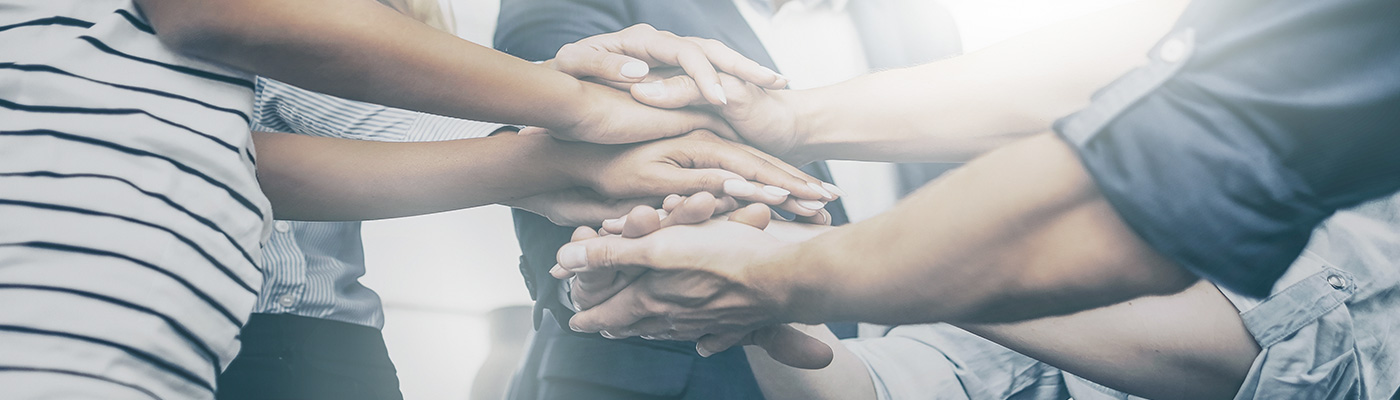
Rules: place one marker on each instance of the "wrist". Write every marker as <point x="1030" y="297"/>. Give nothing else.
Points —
<point x="573" y="106"/>
<point x="581" y="163"/>
<point x="786" y="278"/>
<point x="811" y="122"/>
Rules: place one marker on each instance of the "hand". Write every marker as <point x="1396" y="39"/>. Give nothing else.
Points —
<point x="764" y="118"/>
<point x="651" y="290"/>
<point x="697" y="162"/>
<point x="625" y="57"/>
<point x="579" y="206"/>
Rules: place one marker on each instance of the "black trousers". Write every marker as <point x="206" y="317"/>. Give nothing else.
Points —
<point x="293" y="357"/>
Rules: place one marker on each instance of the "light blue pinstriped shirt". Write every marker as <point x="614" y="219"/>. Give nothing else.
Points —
<point x="313" y="268"/>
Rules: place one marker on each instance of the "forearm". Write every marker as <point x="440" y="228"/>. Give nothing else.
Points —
<point x="845" y="379"/>
<point x="953" y="110"/>
<point x="362" y="50"/>
<point x="1019" y="233"/>
<point x="1191" y="345"/>
<point x="313" y="178"/>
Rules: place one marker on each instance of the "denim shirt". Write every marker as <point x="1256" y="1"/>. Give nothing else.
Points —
<point x="1326" y="331"/>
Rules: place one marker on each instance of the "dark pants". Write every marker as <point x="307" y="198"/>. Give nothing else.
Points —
<point x="564" y="366"/>
<point x="292" y="357"/>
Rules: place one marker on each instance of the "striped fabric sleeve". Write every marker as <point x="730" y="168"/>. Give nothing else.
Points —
<point x="285" y="108"/>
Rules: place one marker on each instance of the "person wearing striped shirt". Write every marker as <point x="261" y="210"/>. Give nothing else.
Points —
<point x="131" y="196"/>
<point x="313" y="315"/>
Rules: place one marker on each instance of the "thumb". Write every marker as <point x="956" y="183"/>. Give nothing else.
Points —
<point x="790" y="346"/>
<point x="604" y="253"/>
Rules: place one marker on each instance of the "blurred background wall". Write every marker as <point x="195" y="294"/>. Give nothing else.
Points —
<point x="441" y="276"/>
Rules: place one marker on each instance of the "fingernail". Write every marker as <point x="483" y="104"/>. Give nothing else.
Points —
<point x="776" y="191"/>
<point x="671" y="198"/>
<point x="820" y="190"/>
<point x="607" y="222"/>
<point x="635" y="69"/>
<point x="703" y="352"/>
<point x="648" y="337"/>
<point x="718" y="91"/>
<point x="811" y="204"/>
<point x="608" y="335"/>
<point x="651" y="89"/>
<point x="739" y="187"/>
<point x="556" y="270"/>
<point x="573" y="257"/>
<point x="772" y="72"/>
<point x="575" y="328"/>
<point x="833" y="189"/>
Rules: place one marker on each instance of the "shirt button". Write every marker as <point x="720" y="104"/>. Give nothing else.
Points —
<point x="286" y="301"/>
<point x="1173" y="50"/>
<point x="282" y="226"/>
<point x="1337" y="282"/>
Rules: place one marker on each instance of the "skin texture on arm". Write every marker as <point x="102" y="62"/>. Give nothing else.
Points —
<point x="1019" y="233"/>
<point x="362" y="50"/>
<point x="315" y="178"/>
<point x="945" y="111"/>
<point x="1148" y="346"/>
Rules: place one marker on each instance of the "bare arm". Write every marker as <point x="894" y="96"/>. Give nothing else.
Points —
<point x="1019" y="233"/>
<point x="958" y="108"/>
<point x="361" y="50"/>
<point x="316" y="178"/>
<point x="1150" y="347"/>
<point x="945" y="111"/>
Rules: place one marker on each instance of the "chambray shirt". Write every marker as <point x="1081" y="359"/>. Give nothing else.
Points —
<point x="1327" y="331"/>
<point x="1252" y="122"/>
<point x="312" y="269"/>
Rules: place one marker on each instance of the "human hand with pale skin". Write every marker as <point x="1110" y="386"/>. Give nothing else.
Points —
<point x="636" y="288"/>
<point x="627" y="57"/>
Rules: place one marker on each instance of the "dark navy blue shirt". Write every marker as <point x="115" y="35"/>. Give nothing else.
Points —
<point x="1253" y="121"/>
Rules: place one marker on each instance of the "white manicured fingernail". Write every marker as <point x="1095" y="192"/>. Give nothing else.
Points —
<point x="573" y="257"/>
<point x="776" y="191"/>
<point x="651" y="89"/>
<point x="556" y="270"/>
<point x="833" y="189"/>
<point x="811" y="204"/>
<point x="635" y="69"/>
<point x="702" y="351"/>
<point x="718" y="90"/>
<point x="820" y="190"/>
<point x="739" y="188"/>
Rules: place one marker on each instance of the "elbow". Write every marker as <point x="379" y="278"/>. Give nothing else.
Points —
<point x="197" y="29"/>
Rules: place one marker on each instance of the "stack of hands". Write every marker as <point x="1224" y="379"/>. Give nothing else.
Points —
<point x="685" y="271"/>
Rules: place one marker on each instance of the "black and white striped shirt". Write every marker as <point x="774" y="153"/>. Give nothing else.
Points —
<point x="130" y="215"/>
